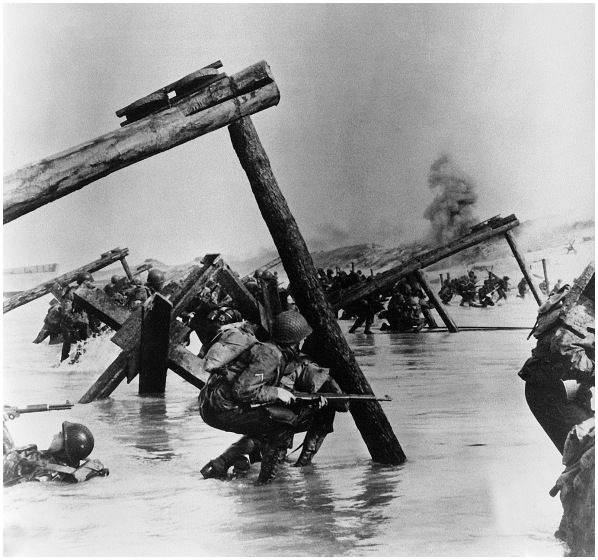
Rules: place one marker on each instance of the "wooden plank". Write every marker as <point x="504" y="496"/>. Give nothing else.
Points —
<point x="126" y="268"/>
<point x="186" y="364"/>
<point x="129" y="333"/>
<point x="64" y="279"/>
<point x="251" y="309"/>
<point x="309" y="296"/>
<point x="221" y="103"/>
<point x="522" y="265"/>
<point x="186" y="81"/>
<point x="415" y="285"/>
<point x="385" y="280"/>
<point x="270" y="299"/>
<point x="101" y="305"/>
<point x="446" y="318"/>
<point x="195" y="282"/>
<point x="114" y="374"/>
<point x="153" y="347"/>
<point x="546" y="277"/>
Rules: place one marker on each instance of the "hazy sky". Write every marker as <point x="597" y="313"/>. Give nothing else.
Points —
<point x="370" y="96"/>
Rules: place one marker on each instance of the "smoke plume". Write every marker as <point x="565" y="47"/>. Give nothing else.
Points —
<point x="451" y="213"/>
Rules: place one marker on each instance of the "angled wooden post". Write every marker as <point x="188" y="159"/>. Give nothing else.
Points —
<point x="415" y="283"/>
<point x="522" y="265"/>
<point x="248" y="306"/>
<point x="29" y="295"/>
<point x="307" y="292"/>
<point x="126" y="268"/>
<point x="153" y="346"/>
<point x="446" y="318"/>
<point x="546" y="277"/>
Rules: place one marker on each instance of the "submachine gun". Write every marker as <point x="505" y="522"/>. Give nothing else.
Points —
<point x="12" y="412"/>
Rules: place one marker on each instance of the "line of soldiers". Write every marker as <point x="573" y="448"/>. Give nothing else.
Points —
<point x="466" y="286"/>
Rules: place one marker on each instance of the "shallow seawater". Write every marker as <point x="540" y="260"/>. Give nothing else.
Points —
<point x="475" y="484"/>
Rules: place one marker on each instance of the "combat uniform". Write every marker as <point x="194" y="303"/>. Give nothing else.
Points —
<point x="562" y="359"/>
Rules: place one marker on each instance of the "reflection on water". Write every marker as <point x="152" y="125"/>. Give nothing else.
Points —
<point x="476" y="481"/>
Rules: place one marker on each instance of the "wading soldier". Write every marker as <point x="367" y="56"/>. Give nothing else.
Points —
<point x="246" y="397"/>
<point x="61" y="462"/>
<point x="560" y="373"/>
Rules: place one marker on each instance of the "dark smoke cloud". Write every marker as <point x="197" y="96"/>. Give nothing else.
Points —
<point x="451" y="213"/>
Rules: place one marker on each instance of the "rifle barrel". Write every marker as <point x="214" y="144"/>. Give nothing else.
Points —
<point x="338" y="397"/>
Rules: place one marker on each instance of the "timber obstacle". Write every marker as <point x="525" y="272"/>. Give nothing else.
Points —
<point x="157" y="123"/>
<point x="412" y="269"/>
<point x="152" y="338"/>
<point x="52" y="286"/>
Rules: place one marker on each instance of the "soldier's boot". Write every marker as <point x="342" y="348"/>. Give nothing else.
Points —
<point x="251" y="454"/>
<point x="311" y="445"/>
<point x="42" y="335"/>
<point x="218" y="467"/>
<point x="272" y="458"/>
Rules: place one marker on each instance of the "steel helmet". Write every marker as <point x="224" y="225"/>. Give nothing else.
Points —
<point x="78" y="441"/>
<point x="225" y="316"/>
<point x="290" y="327"/>
<point x="115" y="278"/>
<point x="84" y="277"/>
<point x="155" y="279"/>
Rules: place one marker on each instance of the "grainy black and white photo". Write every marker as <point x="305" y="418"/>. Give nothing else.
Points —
<point x="288" y="280"/>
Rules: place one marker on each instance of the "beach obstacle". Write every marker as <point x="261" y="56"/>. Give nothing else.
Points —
<point x="150" y="337"/>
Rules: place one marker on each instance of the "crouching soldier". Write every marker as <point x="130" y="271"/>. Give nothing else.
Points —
<point x="250" y="395"/>
<point x="61" y="462"/>
<point x="559" y="375"/>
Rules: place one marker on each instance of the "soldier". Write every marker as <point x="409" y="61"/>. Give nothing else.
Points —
<point x="522" y="288"/>
<point x="75" y="323"/>
<point x="245" y="396"/>
<point x="52" y="324"/>
<point x="560" y="373"/>
<point x="61" y="462"/>
<point x="138" y="293"/>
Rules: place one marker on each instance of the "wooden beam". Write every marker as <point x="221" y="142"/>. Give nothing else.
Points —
<point x="182" y="362"/>
<point x="153" y="346"/>
<point x="522" y="265"/>
<point x="446" y="319"/>
<point x="309" y="296"/>
<point x="546" y="277"/>
<point x="385" y="280"/>
<point x="195" y="282"/>
<point x="108" y="381"/>
<point x="126" y="268"/>
<point x="427" y="313"/>
<point x="223" y="102"/>
<point x="100" y="304"/>
<point x="247" y="305"/>
<point x="64" y="279"/>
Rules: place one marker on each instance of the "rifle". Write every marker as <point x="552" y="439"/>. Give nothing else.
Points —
<point x="339" y="397"/>
<point x="329" y="397"/>
<point x="11" y="412"/>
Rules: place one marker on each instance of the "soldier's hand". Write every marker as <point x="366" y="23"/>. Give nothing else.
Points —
<point x="284" y="395"/>
<point x="322" y="402"/>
